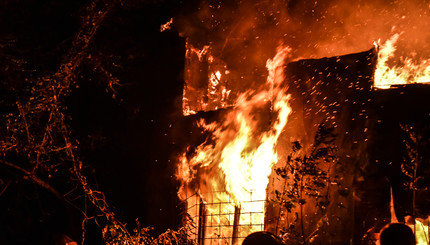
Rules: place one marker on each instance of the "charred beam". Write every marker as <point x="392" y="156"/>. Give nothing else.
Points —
<point x="235" y="235"/>
<point x="202" y="222"/>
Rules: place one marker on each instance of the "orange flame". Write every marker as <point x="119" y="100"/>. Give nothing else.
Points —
<point x="243" y="151"/>
<point x="422" y="231"/>
<point x="409" y="72"/>
<point x="206" y="81"/>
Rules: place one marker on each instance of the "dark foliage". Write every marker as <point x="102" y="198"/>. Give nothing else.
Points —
<point x="307" y="174"/>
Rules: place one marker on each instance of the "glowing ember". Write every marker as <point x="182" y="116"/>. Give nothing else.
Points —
<point x="408" y="72"/>
<point x="234" y="165"/>
<point x="166" y="26"/>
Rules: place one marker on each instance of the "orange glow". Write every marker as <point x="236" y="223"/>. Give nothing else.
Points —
<point x="206" y="81"/>
<point x="166" y="26"/>
<point x="409" y="71"/>
<point x="235" y="166"/>
<point x="422" y="231"/>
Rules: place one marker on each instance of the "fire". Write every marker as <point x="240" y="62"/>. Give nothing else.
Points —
<point x="235" y="163"/>
<point x="166" y="26"/>
<point x="422" y="231"/>
<point x="409" y="72"/>
<point x="206" y="81"/>
<point x="421" y="227"/>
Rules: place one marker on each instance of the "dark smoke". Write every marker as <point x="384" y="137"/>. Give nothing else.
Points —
<point x="244" y="34"/>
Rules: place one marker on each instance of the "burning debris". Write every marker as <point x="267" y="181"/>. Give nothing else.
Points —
<point x="166" y="26"/>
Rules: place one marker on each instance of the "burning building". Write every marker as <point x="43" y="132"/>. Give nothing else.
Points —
<point x="308" y="149"/>
<point x="307" y="154"/>
<point x="315" y="150"/>
<point x="317" y="100"/>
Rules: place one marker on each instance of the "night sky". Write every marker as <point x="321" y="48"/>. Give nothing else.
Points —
<point x="128" y="137"/>
<point x="124" y="131"/>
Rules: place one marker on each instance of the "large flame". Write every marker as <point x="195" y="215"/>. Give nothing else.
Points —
<point x="408" y="72"/>
<point x="234" y="165"/>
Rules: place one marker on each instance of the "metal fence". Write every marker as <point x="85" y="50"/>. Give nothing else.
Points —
<point x="222" y="222"/>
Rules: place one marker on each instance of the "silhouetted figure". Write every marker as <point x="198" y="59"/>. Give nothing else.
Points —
<point x="397" y="234"/>
<point x="262" y="238"/>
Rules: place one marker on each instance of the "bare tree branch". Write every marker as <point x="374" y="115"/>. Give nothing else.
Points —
<point x="32" y="177"/>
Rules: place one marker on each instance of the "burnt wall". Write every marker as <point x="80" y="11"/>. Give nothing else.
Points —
<point x="398" y="144"/>
<point x="335" y="93"/>
<point x="382" y="136"/>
